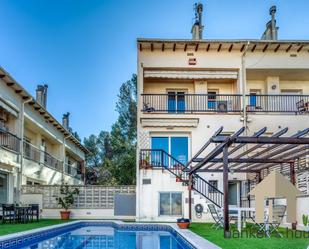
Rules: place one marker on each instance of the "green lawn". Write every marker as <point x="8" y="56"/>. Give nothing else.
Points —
<point x="216" y="236"/>
<point x="14" y="228"/>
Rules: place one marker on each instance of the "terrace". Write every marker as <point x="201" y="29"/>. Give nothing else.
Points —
<point x="180" y="103"/>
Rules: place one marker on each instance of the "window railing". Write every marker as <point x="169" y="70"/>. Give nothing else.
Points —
<point x="191" y="103"/>
<point x="9" y="141"/>
<point x="224" y="103"/>
<point x="34" y="154"/>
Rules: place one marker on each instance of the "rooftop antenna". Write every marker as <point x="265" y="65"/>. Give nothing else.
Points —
<point x="197" y="28"/>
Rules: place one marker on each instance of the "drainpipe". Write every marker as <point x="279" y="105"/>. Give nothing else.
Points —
<point x="21" y="169"/>
<point x="244" y="85"/>
<point x="63" y="151"/>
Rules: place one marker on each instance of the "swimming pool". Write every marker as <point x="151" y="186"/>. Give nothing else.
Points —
<point x="105" y="235"/>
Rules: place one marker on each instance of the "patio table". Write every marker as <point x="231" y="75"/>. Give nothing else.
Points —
<point x="239" y="213"/>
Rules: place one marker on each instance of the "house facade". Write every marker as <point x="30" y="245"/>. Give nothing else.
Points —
<point x="35" y="149"/>
<point x="188" y="89"/>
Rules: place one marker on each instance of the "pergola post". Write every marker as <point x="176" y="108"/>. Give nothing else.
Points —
<point x="190" y="196"/>
<point x="225" y="192"/>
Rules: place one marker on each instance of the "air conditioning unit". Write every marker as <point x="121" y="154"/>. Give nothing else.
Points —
<point x="224" y="105"/>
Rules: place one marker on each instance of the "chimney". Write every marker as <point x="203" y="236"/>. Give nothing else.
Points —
<point x="41" y="95"/>
<point x="197" y="28"/>
<point x="66" y="120"/>
<point x="271" y="32"/>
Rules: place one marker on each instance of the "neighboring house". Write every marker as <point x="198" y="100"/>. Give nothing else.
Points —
<point x="34" y="147"/>
<point x="188" y="89"/>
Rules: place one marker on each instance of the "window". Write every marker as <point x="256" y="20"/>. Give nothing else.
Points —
<point x="253" y="97"/>
<point x="27" y="147"/>
<point x="212" y="98"/>
<point x="159" y="144"/>
<point x="4" y="181"/>
<point x="214" y="184"/>
<point x="176" y="146"/>
<point x="176" y="102"/>
<point x="179" y="149"/>
<point x="170" y="203"/>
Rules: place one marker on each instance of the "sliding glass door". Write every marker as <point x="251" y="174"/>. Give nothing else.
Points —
<point x="159" y="145"/>
<point x="176" y="146"/>
<point x="3" y="188"/>
<point x="179" y="149"/>
<point x="176" y="102"/>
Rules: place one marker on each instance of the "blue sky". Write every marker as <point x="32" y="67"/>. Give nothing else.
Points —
<point x="84" y="50"/>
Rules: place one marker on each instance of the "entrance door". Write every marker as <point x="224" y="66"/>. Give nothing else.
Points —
<point x="233" y="193"/>
<point x="3" y="188"/>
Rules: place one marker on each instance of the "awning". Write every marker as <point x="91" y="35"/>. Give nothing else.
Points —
<point x="6" y="106"/>
<point x="191" y="74"/>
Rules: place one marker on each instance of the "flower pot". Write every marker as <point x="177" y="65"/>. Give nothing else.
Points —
<point x="178" y="179"/>
<point x="183" y="223"/>
<point x="65" y="215"/>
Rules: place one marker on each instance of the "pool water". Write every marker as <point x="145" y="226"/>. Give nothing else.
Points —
<point x="105" y="237"/>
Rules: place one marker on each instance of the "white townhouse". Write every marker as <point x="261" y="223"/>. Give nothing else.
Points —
<point x="188" y="89"/>
<point x="35" y="148"/>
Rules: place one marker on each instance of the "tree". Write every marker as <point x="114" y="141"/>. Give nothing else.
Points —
<point x="94" y="158"/>
<point x="113" y="154"/>
<point x="123" y="133"/>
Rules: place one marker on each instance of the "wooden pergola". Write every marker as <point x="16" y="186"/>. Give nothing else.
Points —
<point x="249" y="154"/>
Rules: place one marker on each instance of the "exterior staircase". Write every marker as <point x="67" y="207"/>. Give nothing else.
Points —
<point x="151" y="158"/>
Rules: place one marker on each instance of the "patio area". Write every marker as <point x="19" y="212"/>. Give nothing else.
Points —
<point x="260" y="156"/>
<point x="215" y="236"/>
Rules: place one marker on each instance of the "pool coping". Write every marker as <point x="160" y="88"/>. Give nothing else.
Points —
<point x="6" y="241"/>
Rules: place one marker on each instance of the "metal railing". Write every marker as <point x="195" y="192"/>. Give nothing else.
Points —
<point x="224" y="103"/>
<point x="206" y="189"/>
<point x="74" y="171"/>
<point x="191" y="103"/>
<point x="152" y="158"/>
<point x="9" y="141"/>
<point x="297" y="104"/>
<point x="34" y="154"/>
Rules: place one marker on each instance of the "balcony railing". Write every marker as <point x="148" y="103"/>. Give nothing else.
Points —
<point x="198" y="103"/>
<point x="9" y="141"/>
<point x="191" y="103"/>
<point x="297" y="104"/>
<point x="74" y="171"/>
<point x="34" y="154"/>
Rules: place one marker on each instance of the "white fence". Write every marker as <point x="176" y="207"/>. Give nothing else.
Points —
<point x="91" y="202"/>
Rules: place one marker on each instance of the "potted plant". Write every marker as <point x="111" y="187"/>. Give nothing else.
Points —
<point x="145" y="163"/>
<point x="66" y="200"/>
<point x="183" y="223"/>
<point x="306" y="222"/>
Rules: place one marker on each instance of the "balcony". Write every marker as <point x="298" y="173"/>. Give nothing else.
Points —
<point x="76" y="172"/>
<point x="191" y="103"/>
<point x="34" y="154"/>
<point x="9" y="141"/>
<point x="224" y="103"/>
<point x="298" y="104"/>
